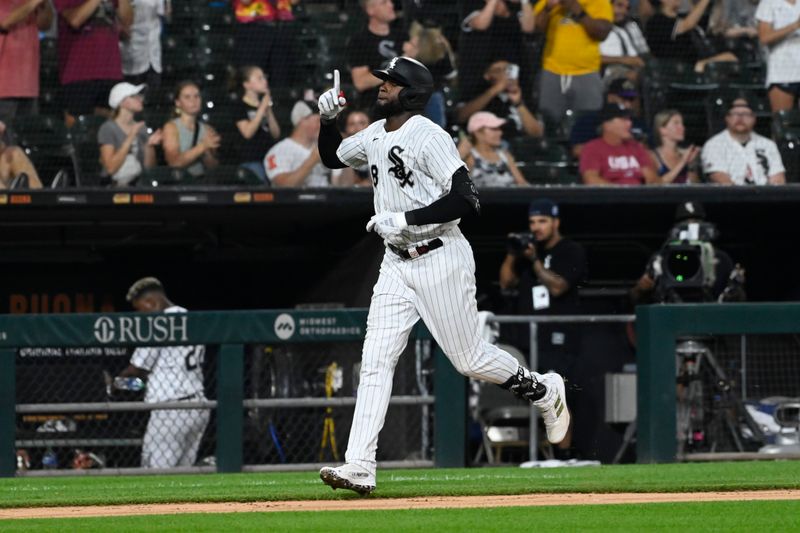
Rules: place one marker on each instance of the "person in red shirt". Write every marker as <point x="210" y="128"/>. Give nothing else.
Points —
<point x="615" y="158"/>
<point x="20" y="22"/>
<point x="89" y="60"/>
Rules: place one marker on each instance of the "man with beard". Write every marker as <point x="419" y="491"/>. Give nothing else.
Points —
<point x="543" y="270"/>
<point x="422" y="189"/>
<point x="738" y="155"/>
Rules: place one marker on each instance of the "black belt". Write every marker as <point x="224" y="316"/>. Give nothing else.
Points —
<point x="416" y="251"/>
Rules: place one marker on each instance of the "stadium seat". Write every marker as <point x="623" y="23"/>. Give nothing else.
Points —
<point x="786" y="123"/>
<point x="541" y="160"/>
<point x="164" y="176"/>
<point x="48" y="144"/>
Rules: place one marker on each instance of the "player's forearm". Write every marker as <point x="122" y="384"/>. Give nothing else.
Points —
<point x="459" y="202"/>
<point x="328" y="142"/>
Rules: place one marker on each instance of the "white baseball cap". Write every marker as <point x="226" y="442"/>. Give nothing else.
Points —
<point x="301" y="110"/>
<point x="123" y="90"/>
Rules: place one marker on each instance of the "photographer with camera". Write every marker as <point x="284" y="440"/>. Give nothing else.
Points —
<point x="542" y="271"/>
<point x="689" y="267"/>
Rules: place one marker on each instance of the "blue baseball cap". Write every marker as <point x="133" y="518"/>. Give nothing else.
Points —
<point x="543" y="207"/>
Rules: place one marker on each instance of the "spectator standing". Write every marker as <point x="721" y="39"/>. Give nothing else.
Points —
<point x="89" y="60"/>
<point x="490" y="165"/>
<point x="14" y="163"/>
<point x="125" y="147"/>
<point x="501" y="95"/>
<point x="734" y="19"/>
<point x="674" y="164"/>
<point x="570" y="77"/>
<point x="681" y="38"/>
<point x="354" y="121"/>
<point x="140" y="46"/>
<point x="188" y="142"/>
<point x="434" y="51"/>
<point x="255" y="120"/>
<point x="779" y="31"/>
<point x="295" y="162"/>
<point x="20" y="23"/>
<point x="621" y="92"/>
<point x="379" y="42"/>
<point x="264" y="36"/>
<point x="624" y="51"/>
<point x="491" y="30"/>
<point x="738" y="155"/>
<point x="173" y="374"/>
<point x="616" y="158"/>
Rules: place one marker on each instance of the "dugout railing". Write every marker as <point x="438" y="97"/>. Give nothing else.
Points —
<point x="533" y="322"/>
<point x="441" y="437"/>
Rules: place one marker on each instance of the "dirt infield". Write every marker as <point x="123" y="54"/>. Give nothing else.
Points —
<point x="435" y="502"/>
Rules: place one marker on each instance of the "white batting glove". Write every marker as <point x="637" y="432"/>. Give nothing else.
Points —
<point x="332" y="101"/>
<point x="387" y="224"/>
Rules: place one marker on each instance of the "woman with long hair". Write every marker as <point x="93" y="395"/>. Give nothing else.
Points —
<point x="188" y="142"/>
<point x="674" y="164"/>
<point x="490" y="165"/>
<point x="125" y="148"/>
<point x="255" y="120"/>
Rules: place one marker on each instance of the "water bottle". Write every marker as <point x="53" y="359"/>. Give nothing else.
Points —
<point x="49" y="459"/>
<point x="128" y="383"/>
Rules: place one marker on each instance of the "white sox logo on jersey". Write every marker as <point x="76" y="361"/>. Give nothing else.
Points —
<point x="399" y="168"/>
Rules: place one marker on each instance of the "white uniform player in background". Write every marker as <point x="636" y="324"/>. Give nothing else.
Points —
<point x="422" y="188"/>
<point x="173" y="374"/>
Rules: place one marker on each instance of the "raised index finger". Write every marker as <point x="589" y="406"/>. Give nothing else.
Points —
<point x="336" y="81"/>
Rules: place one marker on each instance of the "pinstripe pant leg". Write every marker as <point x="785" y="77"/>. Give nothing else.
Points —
<point x="392" y="314"/>
<point x="444" y="283"/>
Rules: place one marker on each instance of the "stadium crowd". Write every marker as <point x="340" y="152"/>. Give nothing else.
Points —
<point x="620" y="92"/>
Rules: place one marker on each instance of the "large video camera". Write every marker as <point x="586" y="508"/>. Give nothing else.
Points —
<point x="685" y="267"/>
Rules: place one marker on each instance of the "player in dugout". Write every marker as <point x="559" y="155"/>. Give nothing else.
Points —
<point x="173" y="374"/>
<point x="422" y="189"/>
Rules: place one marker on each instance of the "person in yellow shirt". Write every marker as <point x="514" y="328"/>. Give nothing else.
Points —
<point x="574" y="29"/>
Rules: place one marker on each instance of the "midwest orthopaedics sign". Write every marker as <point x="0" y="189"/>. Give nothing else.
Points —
<point x="144" y="329"/>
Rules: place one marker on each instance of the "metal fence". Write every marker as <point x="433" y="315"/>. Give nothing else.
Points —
<point x="533" y="361"/>
<point x="82" y="406"/>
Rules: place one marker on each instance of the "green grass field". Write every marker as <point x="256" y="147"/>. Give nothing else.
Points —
<point x="719" y="516"/>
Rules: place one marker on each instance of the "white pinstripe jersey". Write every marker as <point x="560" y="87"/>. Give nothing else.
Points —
<point x="411" y="167"/>
<point x="175" y="371"/>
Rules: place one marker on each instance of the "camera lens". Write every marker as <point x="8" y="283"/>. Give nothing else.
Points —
<point x="683" y="265"/>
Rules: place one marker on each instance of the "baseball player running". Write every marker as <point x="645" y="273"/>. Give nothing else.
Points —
<point x="174" y="373"/>
<point x="422" y="189"/>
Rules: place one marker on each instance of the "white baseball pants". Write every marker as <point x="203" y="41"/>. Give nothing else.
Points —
<point x="173" y="437"/>
<point x="438" y="287"/>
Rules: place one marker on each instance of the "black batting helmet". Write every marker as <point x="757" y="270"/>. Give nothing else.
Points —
<point x="415" y="78"/>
